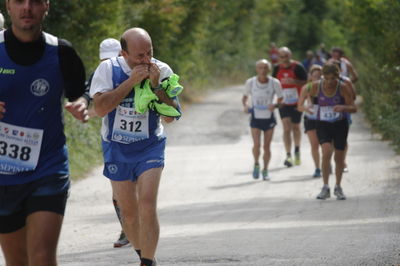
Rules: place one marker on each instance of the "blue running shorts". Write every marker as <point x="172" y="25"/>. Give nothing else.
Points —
<point x="122" y="171"/>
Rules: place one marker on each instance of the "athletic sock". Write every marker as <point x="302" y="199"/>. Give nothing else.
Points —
<point x="296" y="149"/>
<point x="138" y="252"/>
<point x="288" y="154"/>
<point x="146" y="262"/>
<point x="326" y="186"/>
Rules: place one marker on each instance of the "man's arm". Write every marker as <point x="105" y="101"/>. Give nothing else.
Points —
<point x="73" y="73"/>
<point x="353" y="73"/>
<point x="349" y="106"/>
<point x="107" y="101"/>
<point x="244" y="103"/>
<point x="301" y="75"/>
<point x="302" y="99"/>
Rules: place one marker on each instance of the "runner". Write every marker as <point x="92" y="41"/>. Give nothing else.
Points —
<point x="292" y="76"/>
<point x="273" y="54"/>
<point x="310" y="122"/>
<point x="262" y="89"/>
<point x="346" y="68"/>
<point x="348" y="81"/>
<point x="334" y="99"/>
<point x="132" y="135"/>
<point x="308" y="61"/>
<point x="37" y="70"/>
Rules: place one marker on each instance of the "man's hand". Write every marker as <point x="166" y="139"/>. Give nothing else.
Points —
<point x="78" y="109"/>
<point x="2" y="109"/>
<point x="271" y="107"/>
<point x="154" y="75"/>
<point x="139" y="73"/>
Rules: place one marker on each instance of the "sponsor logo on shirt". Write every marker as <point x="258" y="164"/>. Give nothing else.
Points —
<point x="40" y="87"/>
<point x="7" y="71"/>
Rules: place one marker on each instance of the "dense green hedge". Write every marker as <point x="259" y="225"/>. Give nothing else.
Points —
<point x="206" y="41"/>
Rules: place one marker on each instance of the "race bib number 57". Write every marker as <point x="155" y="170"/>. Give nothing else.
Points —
<point x="19" y="148"/>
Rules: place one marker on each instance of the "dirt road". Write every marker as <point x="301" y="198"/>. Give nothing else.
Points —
<point x="213" y="213"/>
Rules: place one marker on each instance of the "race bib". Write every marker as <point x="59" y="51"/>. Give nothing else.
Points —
<point x="290" y="95"/>
<point x="314" y="110"/>
<point x="130" y="126"/>
<point x="261" y="100"/>
<point x="327" y="114"/>
<point x="19" y="148"/>
<point x="261" y="110"/>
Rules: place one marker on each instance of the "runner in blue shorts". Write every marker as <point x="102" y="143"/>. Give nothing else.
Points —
<point x="133" y="140"/>
<point x="37" y="69"/>
<point x="262" y="89"/>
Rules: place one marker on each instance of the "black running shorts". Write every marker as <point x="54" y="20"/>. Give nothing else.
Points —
<point x="309" y="124"/>
<point x="19" y="201"/>
<point x="290" y="111"/>
<point x="263" y="124"/>
<point x="336" y="132"/>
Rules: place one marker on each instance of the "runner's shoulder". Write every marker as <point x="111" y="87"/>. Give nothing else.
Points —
<point x="66" y="49"/>
<point x="165" y="69"/>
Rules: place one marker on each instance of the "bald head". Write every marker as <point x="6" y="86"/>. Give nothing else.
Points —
<point x="285" y="50"/>
<point x="263" y="62"/>
<point x="136" y="46"/>
<point x="285" y="56"/>
<point x="134" y="35"/>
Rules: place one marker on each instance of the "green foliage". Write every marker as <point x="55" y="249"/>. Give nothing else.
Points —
<point x="206" y="41"/>
<point x="83" y="142"/>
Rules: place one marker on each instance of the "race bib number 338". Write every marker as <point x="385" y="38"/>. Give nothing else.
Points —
<point x="19" y="148"/>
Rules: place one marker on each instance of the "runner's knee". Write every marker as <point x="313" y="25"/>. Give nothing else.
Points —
<point x="43" y="256"/>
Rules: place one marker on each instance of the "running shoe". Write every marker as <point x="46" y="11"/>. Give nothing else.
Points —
<point x="153" y="264"/>
<point x="338" y="192"/>
<point x="256" y="171"/>
<point x="288" y="162"/>
<point x="122" y="240"/>
<point x="317" y="173"/>
<point x="325" y="193"/>
<point x="297" y="160"/>
<point x="265" y="175"/>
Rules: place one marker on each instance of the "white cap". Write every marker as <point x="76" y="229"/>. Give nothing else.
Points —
<point x="1" y="21"/>
<point x="109" y="48"/>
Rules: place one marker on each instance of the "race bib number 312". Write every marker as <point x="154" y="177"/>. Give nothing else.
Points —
<point x="19" y="148"/>
<point x="130" y="126"/>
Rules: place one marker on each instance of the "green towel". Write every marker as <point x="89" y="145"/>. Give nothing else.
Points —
<point x="172" y="86"/>
<point x="164" y="109"/>
<point x="143" y="96"/>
